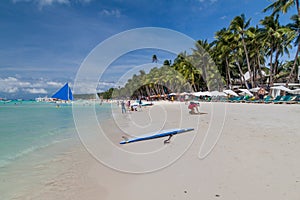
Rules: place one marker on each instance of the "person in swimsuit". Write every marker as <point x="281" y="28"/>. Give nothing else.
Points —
<point x="261" y="93"/>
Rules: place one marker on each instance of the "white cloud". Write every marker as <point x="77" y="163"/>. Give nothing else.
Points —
<point x="35" y="90"/>
<point x="17" y="1"/>
<point x="43" y="3"/>
<point x="24" y="84"/>
<point x="11" y="90"/>
<point x="85" y="87"/>
<point x="210" y="1"/>
<point x="88" y="87"/>
<point x="223" y="17"/>
<point x="11" y="84"/>
<point x="111" y="84"/>
<point x="15" y="85"/>
<point x="114" y="12"/>
<point x="50" y="2"/>
<point x="55" y="84"/>
<point x="9" y="79"/>
<point x="84" y="1"/>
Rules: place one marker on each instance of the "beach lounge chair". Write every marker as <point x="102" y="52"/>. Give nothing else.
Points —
<point x="250" y="100"/>
<point x="237" y="99"/>
<point x="267" y="99"/>
<point x="294" y="100"/>
<point x="278" y="98"/>
<point x="284" y="99"/>
<point x="230" y="99"/>
<point x="244" y="99"/>
<point x="298" y="99"/>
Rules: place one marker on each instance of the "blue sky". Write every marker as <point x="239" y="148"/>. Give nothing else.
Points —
<point x="44" y="42"/>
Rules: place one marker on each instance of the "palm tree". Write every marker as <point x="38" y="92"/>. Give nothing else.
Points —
<point x="222" y="53"/>
<point x="283" y="6"/>
<point x="236" y="54"/>
<point x="239" y="26"/>
<point x="277" y="39"/>
<point x="187" y="73"/>
<point x="296" y="27"/>
<point x="205" y="65"/>
<point x="257" y="53"/>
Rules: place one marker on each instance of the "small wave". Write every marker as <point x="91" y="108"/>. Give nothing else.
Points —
<point x="11" y="159"/>
<point x="3" y="163"/>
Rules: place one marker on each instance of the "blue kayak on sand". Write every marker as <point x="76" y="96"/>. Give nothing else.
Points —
<point x="166" y="133"/>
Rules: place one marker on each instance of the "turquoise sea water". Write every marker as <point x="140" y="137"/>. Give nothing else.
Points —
<point x="29" y="126"/>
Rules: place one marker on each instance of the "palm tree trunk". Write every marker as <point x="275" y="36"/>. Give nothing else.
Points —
<point x="147" y="90"/>
<point x="228" y="73"/>
<point x="276" y="62"/>
<point x="194" y="87"/>
<point x="227" y="81"/>
<point x="259" y="68"/>
<point x="162" y="89"/>
<point x="241" y="74"/>
<point x="248" y="63"/>
<point x="254" y="70"/>
<point x="294" y="66"/>
<point x="271" y="68"/>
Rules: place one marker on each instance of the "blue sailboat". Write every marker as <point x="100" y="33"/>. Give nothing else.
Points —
<point x="64" y="93"/>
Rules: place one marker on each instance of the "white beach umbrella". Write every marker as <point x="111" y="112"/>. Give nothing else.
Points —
<point x="217" y="93"/>
<point x="230" y="92"/>
<point x="254" y="89"/>
<point x="296" y="91"/>
<point x="198" y="94"/>
<point x="173" y="94"/>
<point x="184" y="93"/>
<point x="276" y="90"/>
<point x="245" y="91"/>
<point x="207" y="93"/>
<point x="280" y="87"/>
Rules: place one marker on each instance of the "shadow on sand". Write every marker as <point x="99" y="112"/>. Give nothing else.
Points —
<point x="200" y="113"/>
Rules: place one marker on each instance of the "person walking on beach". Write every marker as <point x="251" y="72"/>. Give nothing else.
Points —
<point x="128" y="105"/>
<point x="123" y="107"/>
<point x="140" y="103"/>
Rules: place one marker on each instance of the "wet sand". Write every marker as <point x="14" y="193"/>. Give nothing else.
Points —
<point x="255" y="156"/>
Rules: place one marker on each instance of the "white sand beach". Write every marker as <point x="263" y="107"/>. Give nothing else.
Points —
<point x="255" y="157"/>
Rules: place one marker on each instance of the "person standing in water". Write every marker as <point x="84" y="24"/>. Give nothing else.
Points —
<point x="154" y="58"/>
<point x="123" y="107"/>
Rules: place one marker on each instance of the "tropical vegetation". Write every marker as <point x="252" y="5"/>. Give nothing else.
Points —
<point x="237" y="50"/>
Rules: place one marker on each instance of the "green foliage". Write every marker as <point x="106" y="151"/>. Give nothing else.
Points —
<point x="107" y="94"/>
<point x="236" y="49"/>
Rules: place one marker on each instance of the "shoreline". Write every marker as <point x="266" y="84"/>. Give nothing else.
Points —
<point x="252" y="153"/>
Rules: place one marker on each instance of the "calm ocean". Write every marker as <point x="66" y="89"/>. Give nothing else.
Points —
<point x="29" y="126"/>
